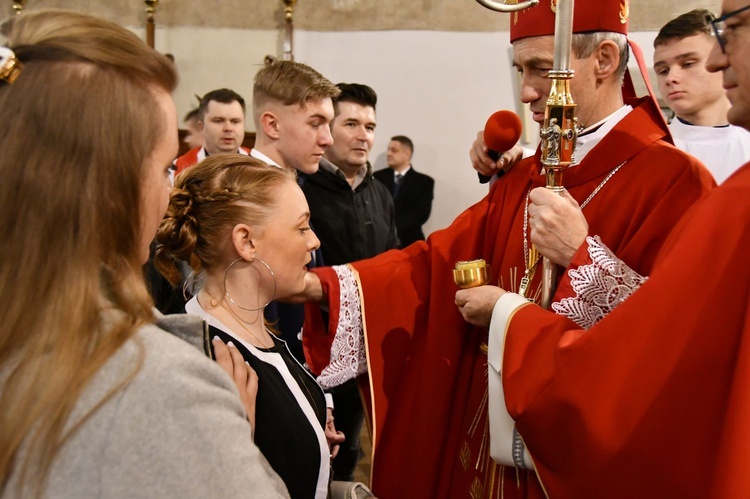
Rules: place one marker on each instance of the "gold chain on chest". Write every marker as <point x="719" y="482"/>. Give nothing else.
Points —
<point x="531" y="255"/>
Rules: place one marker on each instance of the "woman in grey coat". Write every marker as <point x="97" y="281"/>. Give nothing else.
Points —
<point x="99" y="397"/>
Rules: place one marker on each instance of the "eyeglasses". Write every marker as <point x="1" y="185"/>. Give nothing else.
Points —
<point x="719" y="26"/>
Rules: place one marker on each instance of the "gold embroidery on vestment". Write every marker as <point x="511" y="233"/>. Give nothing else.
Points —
<point x="475" y="491"/>
<point x="465" y="456"/>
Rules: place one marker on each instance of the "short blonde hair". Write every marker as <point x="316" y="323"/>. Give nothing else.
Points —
<point x="290" y="83"/>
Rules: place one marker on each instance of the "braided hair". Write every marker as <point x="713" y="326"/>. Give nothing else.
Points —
<point x="208" y="200"/>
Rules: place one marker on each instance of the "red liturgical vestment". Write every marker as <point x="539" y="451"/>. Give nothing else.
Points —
<point x="427" y="368"/>
<point x="654" y="400"/>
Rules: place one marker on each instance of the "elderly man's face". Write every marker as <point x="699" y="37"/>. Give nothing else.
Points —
<point x="735" y="64"/>
<point x="533" y="58"/>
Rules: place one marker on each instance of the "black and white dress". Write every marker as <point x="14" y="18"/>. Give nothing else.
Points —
<point x="290" y="412"/>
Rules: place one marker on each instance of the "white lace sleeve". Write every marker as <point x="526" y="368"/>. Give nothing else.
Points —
<point x="599" y="287"/>
<point x="348" y="356"/>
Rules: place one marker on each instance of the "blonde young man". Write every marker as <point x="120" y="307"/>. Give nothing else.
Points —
<point x="194" y="136"/>
<point x="292" y="111"/>
<point x="292" y="108"/>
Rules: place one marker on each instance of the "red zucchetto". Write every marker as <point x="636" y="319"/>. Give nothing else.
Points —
<point x="588" y="15"/>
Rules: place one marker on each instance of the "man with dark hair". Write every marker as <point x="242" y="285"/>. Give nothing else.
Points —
<point x="352" y="215"/>
<point x="221" y="120"/>
<point x="696" y="96"/>
<point x="412" y="191"/>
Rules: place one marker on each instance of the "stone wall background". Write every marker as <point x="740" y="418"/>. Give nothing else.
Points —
<point x="343" y="15"/>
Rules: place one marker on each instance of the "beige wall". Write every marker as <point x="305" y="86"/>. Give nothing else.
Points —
<point x="344" y="15"/>
<point x="436" y="86"/>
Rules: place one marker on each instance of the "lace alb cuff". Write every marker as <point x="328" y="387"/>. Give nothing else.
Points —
<point x="599" y="286"/>
<point x="348" y="356"/>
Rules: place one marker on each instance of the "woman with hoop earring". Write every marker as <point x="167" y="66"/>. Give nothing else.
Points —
<point x="244" y="228"/>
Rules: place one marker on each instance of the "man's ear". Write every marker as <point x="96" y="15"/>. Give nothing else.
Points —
<point x="269" y="121"/>
<point x="200" y="125"/>
<point x="607" y="59"/>
<point x="244" y="242"/>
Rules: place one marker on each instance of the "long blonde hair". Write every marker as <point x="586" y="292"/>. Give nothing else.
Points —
<point x="76" y="129"/>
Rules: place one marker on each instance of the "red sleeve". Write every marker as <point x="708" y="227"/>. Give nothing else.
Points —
<point x="316" y="337"/>
<point x="580" y="258"/>
<point x="654" y="400"/>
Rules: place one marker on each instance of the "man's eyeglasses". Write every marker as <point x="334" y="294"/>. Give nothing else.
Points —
<point x="719" y="26"/>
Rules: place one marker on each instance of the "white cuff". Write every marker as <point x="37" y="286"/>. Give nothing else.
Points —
<point x="348" y="356"/>
<point x="506" y="446"/>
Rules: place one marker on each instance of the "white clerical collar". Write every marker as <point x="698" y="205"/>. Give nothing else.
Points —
<point x="259" y="155"/>
<point x="596" y="132"/>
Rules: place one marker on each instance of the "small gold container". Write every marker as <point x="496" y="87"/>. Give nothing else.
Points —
<point x="472" y="273"/>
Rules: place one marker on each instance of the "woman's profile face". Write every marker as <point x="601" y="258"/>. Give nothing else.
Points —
<point x="287" y="241"/>
<point x="156" y="184"/>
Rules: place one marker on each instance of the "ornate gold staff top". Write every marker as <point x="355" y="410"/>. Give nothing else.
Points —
<point x="560" y="129"/>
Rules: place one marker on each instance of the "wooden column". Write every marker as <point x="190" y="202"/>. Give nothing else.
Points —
<point x="150" y="22"/>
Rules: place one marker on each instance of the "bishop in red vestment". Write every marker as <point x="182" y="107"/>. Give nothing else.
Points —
<point x="427" y="381"/>
<point x="653" y="400"/>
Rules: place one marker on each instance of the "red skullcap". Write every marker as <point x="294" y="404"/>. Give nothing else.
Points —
<point x="588" y="15"/>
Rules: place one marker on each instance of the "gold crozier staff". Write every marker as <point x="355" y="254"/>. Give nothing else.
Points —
<point x="560" y="129"/>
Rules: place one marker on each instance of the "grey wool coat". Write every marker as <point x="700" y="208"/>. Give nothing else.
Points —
<point x="178" y="429"/>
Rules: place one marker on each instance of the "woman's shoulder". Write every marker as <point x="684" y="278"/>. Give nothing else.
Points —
<point x="174" y="419"/>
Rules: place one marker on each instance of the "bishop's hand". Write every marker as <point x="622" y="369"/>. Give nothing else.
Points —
<point x="476" y="304"/>
<point x="558" y="227"/>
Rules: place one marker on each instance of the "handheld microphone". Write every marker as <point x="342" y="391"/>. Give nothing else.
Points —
<point x="501" y="133"/>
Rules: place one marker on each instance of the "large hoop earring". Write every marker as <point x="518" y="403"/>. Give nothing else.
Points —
<point x="226" y="291"/>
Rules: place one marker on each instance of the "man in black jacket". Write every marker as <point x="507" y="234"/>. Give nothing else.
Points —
<point x="352" y="214"/>
<point x="412" y="191"/>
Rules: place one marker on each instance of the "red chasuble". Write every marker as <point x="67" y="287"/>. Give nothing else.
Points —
<point x="653" y="401"/>
<point x="427" y="370"/>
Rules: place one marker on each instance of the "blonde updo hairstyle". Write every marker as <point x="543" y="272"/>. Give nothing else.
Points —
<point x="208" y="201"/>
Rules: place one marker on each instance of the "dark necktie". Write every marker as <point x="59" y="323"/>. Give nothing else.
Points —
<point x="397" y="183"/>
